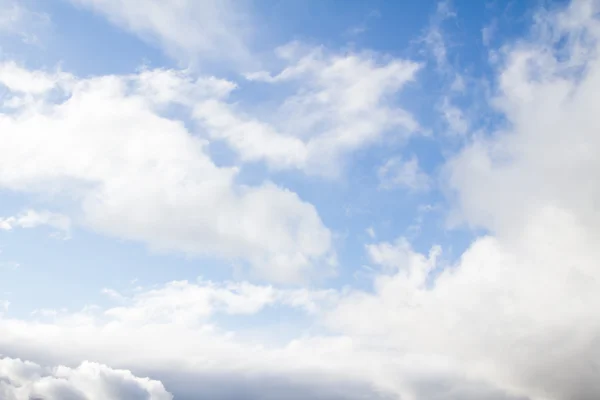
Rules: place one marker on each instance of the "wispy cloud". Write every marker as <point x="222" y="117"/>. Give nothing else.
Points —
<point x="399" y="173"/>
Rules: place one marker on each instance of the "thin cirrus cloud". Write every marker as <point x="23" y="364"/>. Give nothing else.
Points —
<point x="407" y="174"/>
<point x="185" y="29"/>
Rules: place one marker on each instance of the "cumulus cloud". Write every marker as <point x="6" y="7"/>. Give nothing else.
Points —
<point x="518" y="310"/>
<point x="196" y="359"/>
<point x="341" y="103"/>
<point x="514" y="317"/>
<point x="23" y="380"/>
<point x="105" y="149"/>
<point x="167" y="332"/>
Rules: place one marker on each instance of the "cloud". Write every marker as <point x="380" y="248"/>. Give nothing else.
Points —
<point x="188" y="29"/>
<point x="371" y="232"/>
<point x="191" y="303"/>
<point x="454" y="117"/>
<point x="518" y="309"/>
<point x="170" y="332"/>
<point x="22" y="81"/>
<point x="434" y="37"/>
<point x="391" y="256"/>
<point x="341" y="103"/>
<point x="33" y="219"/>
<point x="23" y="380"/>
<point x="104" y="150"/>
<point x="195" y="359"/>
<point x="397" y="172"/>
<point x="454" y="81"/>
<point x="17" y="20"/>
<point x="488" y="32"/>
<point x="515" y="317"/>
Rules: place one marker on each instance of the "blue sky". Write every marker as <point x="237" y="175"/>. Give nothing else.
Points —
<point x="350" y="198"/>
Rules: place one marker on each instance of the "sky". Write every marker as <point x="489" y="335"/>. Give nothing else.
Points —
<point x="300" y="199"/>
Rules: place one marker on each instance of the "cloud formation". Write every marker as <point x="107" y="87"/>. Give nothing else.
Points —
<point x="519" y="308"/>
<point x="187" y="29"/>
<point x="23" y="380"/>
<point x="340" y="104"/>
<point x="105" y="148"/>
<point x="407" y="174"/>
<point x="33" y="219"/>
<point x="515" y="317"/>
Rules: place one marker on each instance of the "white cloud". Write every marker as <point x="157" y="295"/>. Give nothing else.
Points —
<point x="17" y="20"/>
<point x="516" y="316"/>
<point x="134" y="174"/>
<point x="454" y="117"/>
<point x="458" y="84"/>
<point x="397" y="172"/>
<point x="33" y="219"/>
<point x="165" y="333"/>
<point x="488" y="32"/>
<point x="23" y="380"/>
<point x="371" y="232"/>
<point x="393" y="256"/>
<point x="168" y="332"/>
<point x="547" y="157"/>
<point x="342" y="103"/>
<point x="185" y="29"/>
<point x="20" y="80"/>
<point x="434" y="37"/>
<point x="500" y="305"/>
<point x="192" y="303"/>
<point x="519" y="309"/>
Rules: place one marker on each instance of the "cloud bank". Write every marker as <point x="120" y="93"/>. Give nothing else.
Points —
<point x="514" y="317"/>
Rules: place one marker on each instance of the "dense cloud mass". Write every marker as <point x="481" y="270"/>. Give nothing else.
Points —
<point x="515" y="317"/>
<point x="22" y="380"/>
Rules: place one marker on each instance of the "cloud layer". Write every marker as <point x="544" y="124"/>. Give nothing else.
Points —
<point x="514" y="317"/>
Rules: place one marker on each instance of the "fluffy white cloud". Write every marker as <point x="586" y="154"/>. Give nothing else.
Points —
<point x="104" y="148"/>
<point x="342" y="103"/>
<point x="183" y="28"/>
<point x="165" y="333"/>
<point x="515" y="317"/>
<point x="397" y="172"/>
<point x="393" y="256"/>
<point x="519" y="309"/>
<point x="22" y="380"/>
<point x="20" y="81"/>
